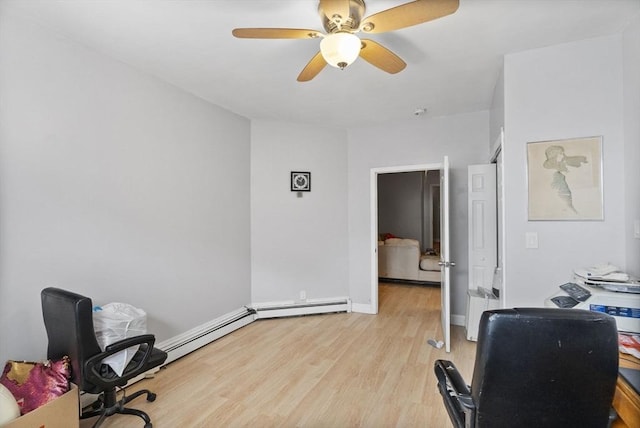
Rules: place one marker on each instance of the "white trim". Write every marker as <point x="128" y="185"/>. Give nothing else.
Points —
<point x="182" y="344"/>
<point x="259" y="305"/>
<point x="497" y="146"/>
<point x="458" y="320"/>
<point x="497" y="150"/>
<point x="362" y="308"/>
<point x="373" y="209"/>
<point x="503" y="210"/>
<point x="307" y="307"/>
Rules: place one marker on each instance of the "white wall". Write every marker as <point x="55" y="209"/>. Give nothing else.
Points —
<point x="298" y="244"/>
<point x="464" y="138"/>
<point x="496" y="120"/>
<point x="631" y="75"/>
<point x="401" y="211"/>
<point x="564" y="91"/>
<point x="117" y="186"/>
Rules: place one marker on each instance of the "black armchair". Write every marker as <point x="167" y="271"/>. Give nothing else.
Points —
<point x="536" y="367"/>
<point x="68" y="320"/>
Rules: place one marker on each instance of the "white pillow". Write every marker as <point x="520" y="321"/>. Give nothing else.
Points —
<point x="405" y="242"/>
<point x="411" y="242"/>
<point x="429" y="263"/>
<point x="9" y="409"/>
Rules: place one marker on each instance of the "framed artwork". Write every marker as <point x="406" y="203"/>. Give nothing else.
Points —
<point x="565" y="179"/>
<point x="300" y="181"/>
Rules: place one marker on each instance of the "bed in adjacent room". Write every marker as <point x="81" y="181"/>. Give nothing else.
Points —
<point x="401" y="259"/>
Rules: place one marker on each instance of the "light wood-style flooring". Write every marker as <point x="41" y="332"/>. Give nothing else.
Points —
<point x="334" y="370"/>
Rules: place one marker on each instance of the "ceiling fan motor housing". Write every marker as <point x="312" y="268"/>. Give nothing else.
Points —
<point x="351" y="23"/>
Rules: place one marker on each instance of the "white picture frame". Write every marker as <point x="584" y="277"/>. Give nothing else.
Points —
<point x="564" y="179"/>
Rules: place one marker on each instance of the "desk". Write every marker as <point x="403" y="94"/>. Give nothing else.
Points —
<point x="626" y="400"/>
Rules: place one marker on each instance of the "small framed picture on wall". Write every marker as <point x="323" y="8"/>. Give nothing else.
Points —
<point x="300" y="181"/>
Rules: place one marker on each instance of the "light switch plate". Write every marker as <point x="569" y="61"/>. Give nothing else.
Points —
<point x="531" y="240"/>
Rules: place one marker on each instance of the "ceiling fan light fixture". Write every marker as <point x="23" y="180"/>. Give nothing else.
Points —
<point x="340" y="49"/>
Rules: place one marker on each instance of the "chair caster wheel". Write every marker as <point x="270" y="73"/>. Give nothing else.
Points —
<point x="150" y="397"/>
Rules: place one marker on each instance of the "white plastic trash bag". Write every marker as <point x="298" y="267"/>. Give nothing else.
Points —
<point x="117" y="321"/>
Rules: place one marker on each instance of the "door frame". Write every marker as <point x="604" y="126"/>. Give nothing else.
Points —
<point x="497" y="157"/>
<point x="434" y="189"/>
<point x="374" y="216"/>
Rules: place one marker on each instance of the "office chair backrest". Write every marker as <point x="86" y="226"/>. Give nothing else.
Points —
<point x="68" y="319"/>
<point x="545" y="368"/>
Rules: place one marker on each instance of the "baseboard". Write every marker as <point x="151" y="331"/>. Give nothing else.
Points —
<point x="362" y="308"/>
<point x="458" y="320"/>
<point x="189" y="341"/>
<point x="307" y="307"/>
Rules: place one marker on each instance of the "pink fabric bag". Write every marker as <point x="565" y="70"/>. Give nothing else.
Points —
<point x="35" y="384"/>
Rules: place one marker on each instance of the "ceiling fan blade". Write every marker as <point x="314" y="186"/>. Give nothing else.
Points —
<point x="408" y="14"/>
<point x="335" y="7"/>
<point x="381" y="57"/>
<point x="275" y="33"/>
<point x="312" y="69"/>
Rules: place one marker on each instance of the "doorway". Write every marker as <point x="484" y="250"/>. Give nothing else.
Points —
<point x="445" y="263"/>
<point x="409" y="207"/>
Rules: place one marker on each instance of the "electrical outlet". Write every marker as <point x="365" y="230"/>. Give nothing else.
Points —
<point x="303" y="295"/>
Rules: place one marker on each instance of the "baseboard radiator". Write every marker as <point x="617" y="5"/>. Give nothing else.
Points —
<point x="308" y="307"/>
<point x="204" y="334"/>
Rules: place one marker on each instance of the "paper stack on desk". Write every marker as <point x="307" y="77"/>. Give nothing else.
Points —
<point x="608" y="277"/>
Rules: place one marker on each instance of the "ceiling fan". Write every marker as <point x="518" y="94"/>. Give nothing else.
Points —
<point x="341" y="19"/>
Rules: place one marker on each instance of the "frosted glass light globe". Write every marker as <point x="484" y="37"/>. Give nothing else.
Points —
<point x="340" y="49"/>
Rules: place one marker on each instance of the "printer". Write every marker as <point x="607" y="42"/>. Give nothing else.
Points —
<point x="613" y="293"/>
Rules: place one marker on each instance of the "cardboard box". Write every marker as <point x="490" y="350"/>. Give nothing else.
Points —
<point x="63" y="412"/>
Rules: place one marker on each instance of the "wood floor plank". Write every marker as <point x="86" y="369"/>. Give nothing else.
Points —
<point x="333" y="370"/>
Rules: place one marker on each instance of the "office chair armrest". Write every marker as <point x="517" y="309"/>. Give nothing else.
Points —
<point x="456" y="394"/>
<point x="128" y="342"/>
<point x="447" y="372"/>
<point x="93" y="365"/>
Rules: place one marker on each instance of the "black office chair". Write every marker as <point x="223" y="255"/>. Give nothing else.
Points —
<point x="536" y="367"/>
<point x="68" y="320"/>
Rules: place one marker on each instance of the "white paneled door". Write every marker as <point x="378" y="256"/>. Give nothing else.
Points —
<point x="483" y="225"/>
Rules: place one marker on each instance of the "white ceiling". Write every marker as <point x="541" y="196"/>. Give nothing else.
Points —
<point x="452" y="62"/>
